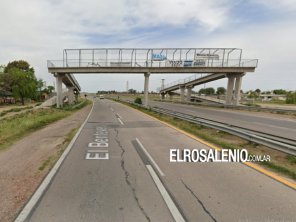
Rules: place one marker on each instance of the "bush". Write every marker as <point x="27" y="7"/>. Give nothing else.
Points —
<point x="138" y="100"/>
<point x="291" y="98"/>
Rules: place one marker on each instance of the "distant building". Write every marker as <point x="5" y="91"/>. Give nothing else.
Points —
<point x="269" y="97"/>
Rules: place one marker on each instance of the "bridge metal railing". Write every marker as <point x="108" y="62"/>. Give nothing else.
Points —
<point x="146" y="63"/>
<point x="156" y="57"/>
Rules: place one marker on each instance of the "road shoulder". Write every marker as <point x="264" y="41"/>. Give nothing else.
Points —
<point x="25" y="163"/>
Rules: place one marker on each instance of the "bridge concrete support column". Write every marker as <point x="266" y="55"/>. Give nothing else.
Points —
<point x="162" y="96"/>
<point x="59" y="90"/>
<point x="237" y="89"/>
<point x="146" y="88"/>
<point x="71" y="95"/>
<point x="229" y="91"/>
<point x="189" y="92"/>
<point x="182" y="93"/>
<point x="171" y="96"/>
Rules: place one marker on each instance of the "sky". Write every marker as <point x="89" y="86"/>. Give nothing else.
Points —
<point x="39" y="30"/>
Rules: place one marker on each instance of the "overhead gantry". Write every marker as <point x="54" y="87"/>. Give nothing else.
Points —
<point x="220" y="61"/>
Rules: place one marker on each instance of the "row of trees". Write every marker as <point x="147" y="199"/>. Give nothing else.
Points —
<point x="20" y="81"/>
<point x="251" y="93"/>
<point x="212" y="91"/>
<point x="275" y="92"/>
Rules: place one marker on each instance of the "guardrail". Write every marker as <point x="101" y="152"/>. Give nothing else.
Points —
<point x="240" y="107"/>
<point x="272" y="141"/>
<point x="275" y="142"/>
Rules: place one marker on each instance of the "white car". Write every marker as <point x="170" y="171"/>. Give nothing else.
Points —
<point x="101" y="96"/>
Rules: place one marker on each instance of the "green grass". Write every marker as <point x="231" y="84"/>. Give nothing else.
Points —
<point x="200" y="131"/>
<point x="82" y="103"/>
<point x="3" y="113"/>
<point x="291" y="159"/>
<point x="46" y="163"/>
<point x="280" y="169"/>
<point x="16" y="127"/>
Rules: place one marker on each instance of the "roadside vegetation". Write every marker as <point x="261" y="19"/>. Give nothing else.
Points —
<point x="51" y="160"/>
<point x="19" y="84"/>
<point x="280" y="163"/>
<point x="15" y="127"/>
<point x="15" y="110"/>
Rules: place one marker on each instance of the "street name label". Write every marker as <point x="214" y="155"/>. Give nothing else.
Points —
<point x="98" y="148"/>
<point x="97" y="155"/>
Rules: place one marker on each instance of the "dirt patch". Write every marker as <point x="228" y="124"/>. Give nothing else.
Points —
<point x="20" y="172"/>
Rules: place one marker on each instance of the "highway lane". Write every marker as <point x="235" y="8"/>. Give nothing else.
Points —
<point x="121" y="188"/>
<point x="261" y="122"/>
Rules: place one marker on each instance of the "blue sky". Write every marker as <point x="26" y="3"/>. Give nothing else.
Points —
<point x="265" y="29"/>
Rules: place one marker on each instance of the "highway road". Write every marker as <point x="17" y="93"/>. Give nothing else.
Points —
<point x="132" y="178"/>
<point x="258" y="121"/>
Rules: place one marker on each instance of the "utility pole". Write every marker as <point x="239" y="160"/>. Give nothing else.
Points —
<point x="162" y="83"/>
<point x="127" y="86"/>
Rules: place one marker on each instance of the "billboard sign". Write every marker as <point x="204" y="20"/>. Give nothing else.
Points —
<point x="158" y="57"/>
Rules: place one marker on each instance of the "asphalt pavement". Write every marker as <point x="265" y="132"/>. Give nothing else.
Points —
<point x="259" y="121"/>
<point x="119" y="170"/>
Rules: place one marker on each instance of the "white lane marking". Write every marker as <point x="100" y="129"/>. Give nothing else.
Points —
<point x="111" y="109"/>
<point x="120" y="121"/>
<point x="41" y="189"/>
<point x="119" y="116"/>
<point x="168" y="200"/>
<point x="150" y="158"/>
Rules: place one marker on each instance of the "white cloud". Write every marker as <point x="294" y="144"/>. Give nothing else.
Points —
<point x="283" y="5"/>
<point x="38" y="30"/>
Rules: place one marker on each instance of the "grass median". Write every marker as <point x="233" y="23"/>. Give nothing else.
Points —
<point x="15" y="127"/>
<point x="280" y="163"/>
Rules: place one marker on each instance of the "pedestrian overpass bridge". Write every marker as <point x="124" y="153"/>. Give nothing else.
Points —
<point x="232" y="93"/>
<point x="222" y="62"/>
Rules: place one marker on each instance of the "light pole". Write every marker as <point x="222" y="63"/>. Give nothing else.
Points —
<point x="162" y="87"/>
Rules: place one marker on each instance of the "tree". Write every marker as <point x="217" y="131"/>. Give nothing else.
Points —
<point x="19" y="78"/>
<point x="20" y="64"/>
<point x="5" y="82"/>
<point x="221" y="90"/>
<point x="207" y="91"/>
<point x="132" y="91"/>
<point x="24" y="83"/>
<point x="50" y="89"/>
<point x="279" y="91"/>
<point x="252" y="95"/>
<point x="258" y="91"/>
<point x="39" y="85"/>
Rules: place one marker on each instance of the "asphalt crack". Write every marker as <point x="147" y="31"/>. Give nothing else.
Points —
<point x="199" y="201"/>
<point x="126" y="174"/>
